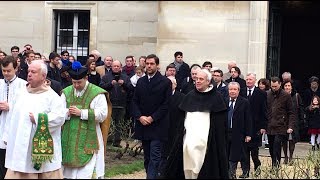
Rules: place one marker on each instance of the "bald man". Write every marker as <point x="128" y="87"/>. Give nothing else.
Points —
<point x="117" y="84"/>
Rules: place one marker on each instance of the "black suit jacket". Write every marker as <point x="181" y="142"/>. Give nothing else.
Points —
<point x="151" y="99"/>
<point x="258" y="104"/>
<point x="241" y="127"/>
<point x="241" y="81"/>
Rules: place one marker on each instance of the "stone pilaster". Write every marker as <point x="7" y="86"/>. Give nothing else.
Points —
<point x="258" y="35"/>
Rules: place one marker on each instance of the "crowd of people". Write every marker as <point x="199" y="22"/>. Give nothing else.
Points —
<point x="194" y="121"/>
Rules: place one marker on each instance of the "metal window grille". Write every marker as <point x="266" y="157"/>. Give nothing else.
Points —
<point x="72" y="33"/>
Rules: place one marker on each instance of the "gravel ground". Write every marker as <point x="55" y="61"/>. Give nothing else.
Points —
<point x="300" y="151"/>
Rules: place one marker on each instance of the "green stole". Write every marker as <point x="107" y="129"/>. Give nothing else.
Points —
<point x="42" y="143"/>
<point x="79" y="137"/>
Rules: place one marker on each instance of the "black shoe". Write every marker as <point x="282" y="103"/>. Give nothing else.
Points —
<point x="244" y="175"/>
<point x="233" y="176"/>
<point x="313" y="148"/>
<point x="318" y="146"/>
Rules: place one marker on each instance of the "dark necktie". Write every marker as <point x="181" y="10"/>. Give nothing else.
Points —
<point x="249" y="95"/>
<point x="230" y="113"/>
<point x="8" y="85"/>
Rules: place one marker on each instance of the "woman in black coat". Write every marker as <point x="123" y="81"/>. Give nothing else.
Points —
<point x="313" y="117"/>
<point x="93" y="75"/>
<point x="299" y="113"/>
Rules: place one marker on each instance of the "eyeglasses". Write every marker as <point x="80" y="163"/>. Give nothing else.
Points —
<point x="65" y="55"/>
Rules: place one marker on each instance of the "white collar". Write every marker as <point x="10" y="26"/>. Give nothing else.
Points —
<point x="80" y="93"/>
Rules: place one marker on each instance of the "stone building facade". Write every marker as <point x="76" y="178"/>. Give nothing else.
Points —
<point x="218" y="31"/>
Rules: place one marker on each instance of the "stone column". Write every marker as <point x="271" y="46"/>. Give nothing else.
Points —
<point x="258" y="35"/>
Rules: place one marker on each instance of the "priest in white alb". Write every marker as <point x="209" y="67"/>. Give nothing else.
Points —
<point x="33" y="134"/>
<point x="9" y="86"/>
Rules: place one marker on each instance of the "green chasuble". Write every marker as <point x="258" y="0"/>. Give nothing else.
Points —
<point x="79" y="137"/>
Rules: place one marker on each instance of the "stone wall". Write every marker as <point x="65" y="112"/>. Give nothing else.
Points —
<point x="214" y="30"/>
<point x="217" y="31"/>
<point x="21" y="23"/>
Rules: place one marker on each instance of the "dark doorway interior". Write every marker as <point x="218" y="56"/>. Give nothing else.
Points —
<point x="300" y="38"/>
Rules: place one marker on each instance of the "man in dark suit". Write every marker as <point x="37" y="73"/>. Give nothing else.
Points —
<point x="235" y="77"/>
<point x="258" y="103"/>
<point x="182" y="68"/>
<point x="150" y="110"/>
<point x="239" y="127"/>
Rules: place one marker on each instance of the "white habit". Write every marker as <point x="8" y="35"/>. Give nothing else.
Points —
<point x="99" y="104"/>
<point x="20" y="130"/>
<point x="195" y="140"/>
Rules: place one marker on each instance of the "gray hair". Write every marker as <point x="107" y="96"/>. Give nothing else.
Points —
<point x="209" y="75"/>
<point x="286" y="74"/>
<point x="252" y="74"/>
<point x="43" y="66"/>
<point x="234" y="83"/>
<point x="195" y="68"/>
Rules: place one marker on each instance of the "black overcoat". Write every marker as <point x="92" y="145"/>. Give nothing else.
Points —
<point x="258" y="105"/>
<point x="241" y="127"/>
<point x="215" y="164"/>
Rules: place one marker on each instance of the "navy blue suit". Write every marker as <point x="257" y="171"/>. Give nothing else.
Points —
<point x="151" y="99"/>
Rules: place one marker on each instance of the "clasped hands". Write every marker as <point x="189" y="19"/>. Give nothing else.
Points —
<point x="73" y="110"/>
<point x="120" y="82"/>
<point x="146" y="120"/>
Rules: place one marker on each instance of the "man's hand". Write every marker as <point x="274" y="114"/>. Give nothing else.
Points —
<point x="73" y="110"/>
<point x="113" y="82"/>
<point x="262" y="131"/>
<point x="4" y="106"/>
<point x="32" y="118"/>
<point x="247" y="139"/>
<point x="150" y="120"/>
<point x="143" y="120"/>
<point x="289" y="130"/>
<point x="120" y="82"/>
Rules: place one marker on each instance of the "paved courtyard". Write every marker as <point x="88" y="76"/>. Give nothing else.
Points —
<point x="301" y="151"/>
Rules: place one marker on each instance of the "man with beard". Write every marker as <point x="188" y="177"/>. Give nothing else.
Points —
<point x="86" y="126"/>
<point x="201" y="141"/>
<point x="150" y="110"/>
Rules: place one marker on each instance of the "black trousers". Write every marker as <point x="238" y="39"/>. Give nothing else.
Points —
<point x="275" y="142"/>
<point x="3" y="170"/>
<point x="245" y="164"/>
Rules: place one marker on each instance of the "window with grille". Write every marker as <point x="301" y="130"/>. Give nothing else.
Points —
<point x="72" y="33"/>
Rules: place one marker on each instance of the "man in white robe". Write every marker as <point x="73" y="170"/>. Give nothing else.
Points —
<point x="9" y="86"/>
<point x="200" y="142"/>
<point x="36" y="98"/>
<point x="94" y="165"/>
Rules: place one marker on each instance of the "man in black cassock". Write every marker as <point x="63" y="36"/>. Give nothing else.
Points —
<point x="199" y="148"/>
